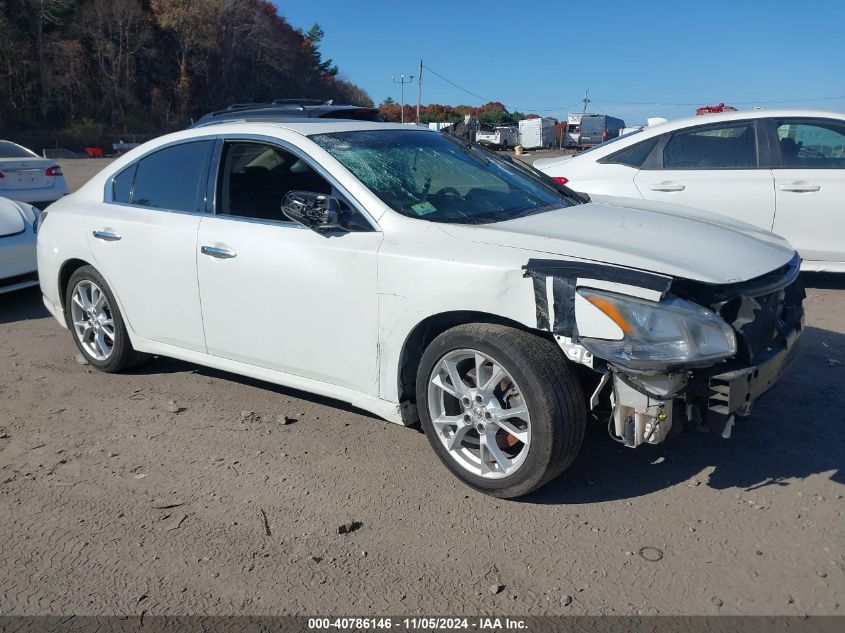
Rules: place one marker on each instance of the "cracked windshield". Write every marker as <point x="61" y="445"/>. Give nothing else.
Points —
<point x="431" y="177"/>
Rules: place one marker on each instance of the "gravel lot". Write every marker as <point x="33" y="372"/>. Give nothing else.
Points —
<point x="183" y="485"/>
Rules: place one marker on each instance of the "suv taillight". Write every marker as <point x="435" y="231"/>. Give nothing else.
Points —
<point x="55" y="170"/>
<point x="560" y="179"/>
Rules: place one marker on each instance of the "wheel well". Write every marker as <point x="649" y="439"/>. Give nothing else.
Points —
<point x="425" y="332"/>
<point x="67" y="269"/>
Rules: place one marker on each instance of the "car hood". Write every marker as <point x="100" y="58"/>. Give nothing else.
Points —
<point x="11" y="218"/>
<point x="649" y="236"/>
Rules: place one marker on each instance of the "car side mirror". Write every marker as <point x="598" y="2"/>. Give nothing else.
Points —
<point x="316" y="211"/>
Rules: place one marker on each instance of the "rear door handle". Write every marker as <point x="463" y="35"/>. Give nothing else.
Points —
<point x="800" y="187"/>
<point x="666" y="186"/>
<point x="106" y="235"/>
<point x="218" y="252"/>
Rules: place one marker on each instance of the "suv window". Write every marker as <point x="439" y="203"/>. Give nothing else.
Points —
<point x="633" y="156"/>
<point x="816" y="144"/>
<point x="170" y="178"/>
<point x="254" y="179"/>
<point x="729" y="146"/>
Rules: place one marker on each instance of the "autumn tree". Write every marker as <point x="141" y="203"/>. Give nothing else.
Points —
<point x="116" y="32"/>
<point x="39" y="17"/>
<point x="191" y="24"/>
<point x="87" y="67"/>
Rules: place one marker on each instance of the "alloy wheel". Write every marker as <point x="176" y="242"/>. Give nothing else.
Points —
<point x="92" y="319"/>
<point x="479" y="414"/>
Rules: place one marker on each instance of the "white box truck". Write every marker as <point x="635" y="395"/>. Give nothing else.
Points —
<point x="537" y="133"/>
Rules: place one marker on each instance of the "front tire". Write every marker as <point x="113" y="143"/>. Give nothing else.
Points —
<point x="96" y="323"/>
<point x="500" y="407"/>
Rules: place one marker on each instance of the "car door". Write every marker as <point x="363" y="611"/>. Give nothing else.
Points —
<point x="809" y="172"/>
<point x="276" y="294"/>
<point x="720" y="167"/>
<point x="143" y="238"/>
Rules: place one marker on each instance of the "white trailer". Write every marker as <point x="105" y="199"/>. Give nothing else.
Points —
<point x="537" y="133"/>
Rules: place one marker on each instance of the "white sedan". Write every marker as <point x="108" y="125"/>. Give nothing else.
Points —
<point x="422" y="278"/>
<point x="27" y="177"/>
<point x="781" y="170"/>
<point x="18" y="224"/>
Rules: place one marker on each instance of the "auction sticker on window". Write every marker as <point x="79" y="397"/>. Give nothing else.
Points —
<point x="423" y="208"/>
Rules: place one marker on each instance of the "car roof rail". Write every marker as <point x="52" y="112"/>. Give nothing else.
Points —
<point x="304" y="102"/>
<point x="287" y="111"/>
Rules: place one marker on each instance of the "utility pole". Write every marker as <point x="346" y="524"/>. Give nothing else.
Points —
<point x="583" y="112"/>
<point x="402" y="81"/>
<point x="419" y="92"/>
<point x="586" y="100"/>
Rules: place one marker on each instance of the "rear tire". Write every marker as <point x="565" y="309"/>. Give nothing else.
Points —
<point x="518" y="418"/>
<point x="96" y="324"/>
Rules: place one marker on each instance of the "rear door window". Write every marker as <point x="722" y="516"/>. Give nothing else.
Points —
<point x="172" y="178"/>
<point x="728" y="146"/>
<point x="633" y="156"/>
<point x="811" y="144"/>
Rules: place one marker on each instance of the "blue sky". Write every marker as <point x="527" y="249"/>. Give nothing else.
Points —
<point x="638" y="59"/>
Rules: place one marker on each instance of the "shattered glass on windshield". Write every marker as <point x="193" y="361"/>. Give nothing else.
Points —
<point x="430" y="176"/>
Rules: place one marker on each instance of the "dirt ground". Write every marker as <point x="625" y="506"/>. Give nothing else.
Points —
<point x="179" y="490"/>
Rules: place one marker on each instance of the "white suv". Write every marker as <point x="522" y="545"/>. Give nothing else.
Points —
<point x="781" y="170"/>
<point x="422" y="278"/>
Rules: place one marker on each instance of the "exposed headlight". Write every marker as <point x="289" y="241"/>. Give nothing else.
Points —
<point x="672" y="332"/>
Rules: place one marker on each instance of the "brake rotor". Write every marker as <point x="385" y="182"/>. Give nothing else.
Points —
<point x="505" y="440"/>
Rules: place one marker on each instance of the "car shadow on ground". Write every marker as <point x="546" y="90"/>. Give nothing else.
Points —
<point x="794" y="431"/>
<point x="164" y="365"/>
<point x="22" y="305"/>
<point x="824" y="281"/>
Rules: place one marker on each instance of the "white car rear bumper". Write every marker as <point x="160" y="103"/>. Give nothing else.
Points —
<point x="41" y="195"/>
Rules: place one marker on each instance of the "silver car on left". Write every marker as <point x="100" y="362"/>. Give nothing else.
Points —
<point x="26" y="177"/>
<point x="18" y="227"/>
<point x="28" y="183"/>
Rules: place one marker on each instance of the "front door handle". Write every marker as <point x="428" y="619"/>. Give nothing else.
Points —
<point x="800" y="186"/>
<point x="106" y="235"/>
<point x="218" y="252"/>
<point x="666" y="186"/>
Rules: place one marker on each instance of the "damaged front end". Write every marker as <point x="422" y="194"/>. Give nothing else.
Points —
<point x="671" y="352"/>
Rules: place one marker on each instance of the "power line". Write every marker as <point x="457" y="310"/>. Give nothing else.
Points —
<point x="698" y="103"/>
<point x="449" y="81"/>
<point x="624" y="102"/>
<point x="486" y="100"/>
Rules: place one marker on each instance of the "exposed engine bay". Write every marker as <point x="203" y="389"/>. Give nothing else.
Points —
<point x="736" y="340"/>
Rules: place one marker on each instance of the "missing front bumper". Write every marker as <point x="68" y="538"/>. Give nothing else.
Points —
<point x="647" y="408"/>
<point x="734" y="393"/>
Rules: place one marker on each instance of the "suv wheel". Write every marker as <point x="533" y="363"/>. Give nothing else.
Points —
<point x="97" y="325"/>
<point x="500" y="407"/>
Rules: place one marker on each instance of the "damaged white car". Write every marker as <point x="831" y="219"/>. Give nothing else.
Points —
<point x="422" y="278"/>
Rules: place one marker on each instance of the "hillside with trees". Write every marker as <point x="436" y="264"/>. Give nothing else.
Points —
<point x="89" y="68"/>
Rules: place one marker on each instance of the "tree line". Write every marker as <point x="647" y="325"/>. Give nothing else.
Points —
<point x="94" y="67"/>
<point x="492" y="113"/>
